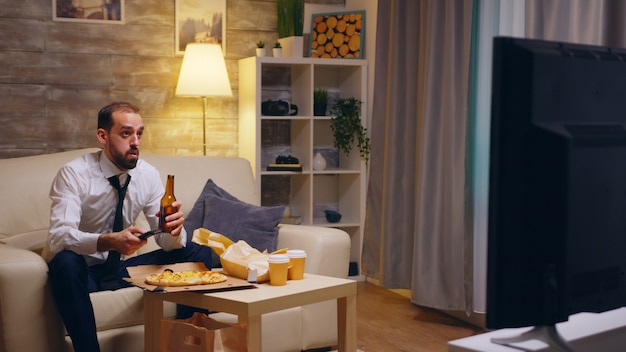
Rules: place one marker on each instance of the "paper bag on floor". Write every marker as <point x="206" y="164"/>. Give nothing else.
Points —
<point x="201" y="333"/>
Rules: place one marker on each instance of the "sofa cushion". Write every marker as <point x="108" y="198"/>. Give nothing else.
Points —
<point x="33" y="241"/>
<point x="27" y="181"/>
<point x="219" y="211"/>
<point x="122" y="308"/>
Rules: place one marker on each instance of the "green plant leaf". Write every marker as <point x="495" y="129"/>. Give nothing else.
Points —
<point x="348" y="129"/>
<point x="290" y="17"/>
<point x="320" y="95"/>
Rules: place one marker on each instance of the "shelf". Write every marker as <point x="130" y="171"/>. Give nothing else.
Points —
<point x="305" y="61"/>
<point x="276" y="173"/>
<point x="334" y="171"/>
<point x="285" y="117"/>
<point x="262" y="138"/>
<point x="305" y="170"/>
<point x="342" y="223"/>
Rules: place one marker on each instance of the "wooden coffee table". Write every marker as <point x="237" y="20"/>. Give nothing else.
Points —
<point x="250" y="304"/>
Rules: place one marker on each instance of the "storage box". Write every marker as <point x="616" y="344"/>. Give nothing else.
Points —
<point x="200" y="333"/>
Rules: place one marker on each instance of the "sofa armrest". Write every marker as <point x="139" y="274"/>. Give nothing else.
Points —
<point x="327" y="249"/>
<point x="28" y="317"/>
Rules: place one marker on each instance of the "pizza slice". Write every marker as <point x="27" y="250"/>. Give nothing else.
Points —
<point x="185" y="278"/>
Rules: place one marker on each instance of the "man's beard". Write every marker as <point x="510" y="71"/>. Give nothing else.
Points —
<point x="124" y="160"/>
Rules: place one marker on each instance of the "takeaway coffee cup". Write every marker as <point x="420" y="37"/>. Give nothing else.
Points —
<point x="279" y="266"/>
<point x="297" y="257"/>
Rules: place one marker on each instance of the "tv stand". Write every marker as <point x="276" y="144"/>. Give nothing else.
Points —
<point x="586" y="332"/>
<point x="546" y="334"/>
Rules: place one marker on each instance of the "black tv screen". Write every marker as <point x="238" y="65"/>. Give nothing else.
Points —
<point x="557" y="192"/>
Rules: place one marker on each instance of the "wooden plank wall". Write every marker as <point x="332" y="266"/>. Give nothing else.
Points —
<point x="55" y="76"/>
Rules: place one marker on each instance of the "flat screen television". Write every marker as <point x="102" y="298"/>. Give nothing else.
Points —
<point x="557" y="187"/>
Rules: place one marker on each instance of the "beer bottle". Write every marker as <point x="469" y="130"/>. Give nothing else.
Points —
<point x="166" y="204"/>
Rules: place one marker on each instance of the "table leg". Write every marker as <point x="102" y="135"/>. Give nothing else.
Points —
<point x="346" y="323"/>
<point x="253" y="325"/>
<point x="153" y="314"/>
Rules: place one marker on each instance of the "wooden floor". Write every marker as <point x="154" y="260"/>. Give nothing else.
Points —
<point x="388" y="321"/>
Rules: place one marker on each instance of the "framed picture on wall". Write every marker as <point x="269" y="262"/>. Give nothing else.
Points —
<point x="337" y="35"/>
<point x="200" y="21"/>
<point x="89" y="11"/>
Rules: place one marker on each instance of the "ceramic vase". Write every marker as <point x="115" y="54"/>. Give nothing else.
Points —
<point x="293" y="46"/>
<point x="260" y="52"/>
<point x="319" y="109"/>
<point x="319" y="163"/>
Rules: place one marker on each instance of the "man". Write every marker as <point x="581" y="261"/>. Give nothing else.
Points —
<point x="83" y="245"/>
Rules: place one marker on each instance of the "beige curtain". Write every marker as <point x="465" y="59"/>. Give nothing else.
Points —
<point x="597" y="22"/>
<point x="415" y="233"/>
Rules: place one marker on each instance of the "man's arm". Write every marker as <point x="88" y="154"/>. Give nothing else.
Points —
<point x="65" y="216"/>
<point x="126" y="241"/>
<point x="178" y="238"/>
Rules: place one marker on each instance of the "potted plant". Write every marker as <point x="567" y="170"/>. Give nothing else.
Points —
<point x="348" y="129"/>
<point x="277" y="50"/>
<point x="260" y="48"/>
<point x="320" y="101"/>
<point x="290" y="26"/>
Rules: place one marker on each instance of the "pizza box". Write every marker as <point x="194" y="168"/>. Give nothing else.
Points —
<point x="138" y="275"/>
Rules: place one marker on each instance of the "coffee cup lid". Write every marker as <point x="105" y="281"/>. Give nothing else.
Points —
<point x="278" y="258"/>
<point x="296" y="253"/>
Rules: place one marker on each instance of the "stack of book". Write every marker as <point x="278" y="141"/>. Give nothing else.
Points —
<point x="284" y="167"/>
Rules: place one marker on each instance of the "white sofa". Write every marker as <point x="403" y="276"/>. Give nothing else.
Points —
<point x="29" y="321"/>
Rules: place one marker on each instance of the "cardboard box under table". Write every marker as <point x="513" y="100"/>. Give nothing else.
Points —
<point x="200" y="333"/>
<point x="139" y="273"/>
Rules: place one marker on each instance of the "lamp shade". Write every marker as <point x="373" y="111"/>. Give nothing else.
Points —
<point x="203" y="72"/>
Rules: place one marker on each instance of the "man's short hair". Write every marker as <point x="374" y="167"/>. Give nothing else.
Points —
<point x="105" y="115"/>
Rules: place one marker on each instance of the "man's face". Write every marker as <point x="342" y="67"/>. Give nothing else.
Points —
<point x="121" y="144"/>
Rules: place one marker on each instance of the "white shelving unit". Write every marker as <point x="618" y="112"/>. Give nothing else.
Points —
<point x="341" y="186"/>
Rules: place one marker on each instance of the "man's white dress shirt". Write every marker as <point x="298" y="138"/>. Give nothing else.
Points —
<point x="83" y="205"/>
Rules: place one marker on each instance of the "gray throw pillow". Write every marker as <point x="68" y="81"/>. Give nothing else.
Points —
<point x="218" y="211"/>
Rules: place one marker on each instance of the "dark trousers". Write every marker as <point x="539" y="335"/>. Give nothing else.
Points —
<point x="72" y="281"/>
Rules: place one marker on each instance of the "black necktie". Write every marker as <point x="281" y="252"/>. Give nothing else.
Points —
<point x="109" y="279"/>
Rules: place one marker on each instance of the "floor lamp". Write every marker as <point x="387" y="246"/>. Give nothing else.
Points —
<point x="203" y="74"/>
